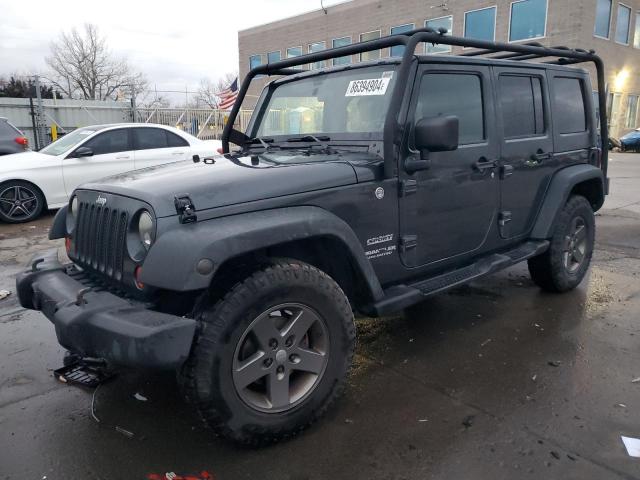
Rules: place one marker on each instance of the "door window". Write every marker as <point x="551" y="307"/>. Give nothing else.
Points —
<point x="458" y="94"/>
<point x="569" y="111"/>
<point x="113" y="141"/>
<point x="148" y="138"/>
<point x="521" y="100"/>
<point x="174" y="140"/>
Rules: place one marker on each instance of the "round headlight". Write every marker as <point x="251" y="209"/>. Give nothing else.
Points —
<point x="146" y="229"/>
<point x="74" y="207"/>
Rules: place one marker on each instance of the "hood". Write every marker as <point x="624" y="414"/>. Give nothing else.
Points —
<point x="24" y="160"/>
<point x="230" y="179"/>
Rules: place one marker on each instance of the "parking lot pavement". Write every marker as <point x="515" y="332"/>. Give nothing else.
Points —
<point x="495" y="380"/>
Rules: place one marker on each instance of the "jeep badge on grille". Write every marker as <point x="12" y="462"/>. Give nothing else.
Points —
<point x="101" y="200"/>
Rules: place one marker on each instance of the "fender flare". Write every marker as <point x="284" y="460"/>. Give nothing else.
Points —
<point x="59" y="225"/>
<point x="171" y="261"/>
<point x="562" y="183"/>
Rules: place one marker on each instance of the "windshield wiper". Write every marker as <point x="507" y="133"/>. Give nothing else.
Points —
<point x="264" y="141"/>
<point x="310" y="138"/>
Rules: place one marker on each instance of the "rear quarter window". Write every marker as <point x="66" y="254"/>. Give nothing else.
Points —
<point x="7" y="130"/>
<point x="569" y="110"/>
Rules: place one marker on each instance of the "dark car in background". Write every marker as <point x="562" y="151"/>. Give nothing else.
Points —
<point x="630" y="142"/>
<point x="12" y="140"/>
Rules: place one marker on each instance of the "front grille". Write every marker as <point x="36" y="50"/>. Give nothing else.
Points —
<point x="100" y="239"/>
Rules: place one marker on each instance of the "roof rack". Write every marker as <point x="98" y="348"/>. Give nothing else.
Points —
<point x="558" y="55"/>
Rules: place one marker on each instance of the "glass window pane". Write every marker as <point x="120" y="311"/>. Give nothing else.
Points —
<point x="528" y="18"/>
<point x="148" y="138"/>
<point x="373" y="55"/>
<point x="521" y="100"/>
<point x="398" y="50"/>
<point x="622" y="24"/>
<point x="454" y="94"/>
<point x="636" y="32"/>
<point x="569" y="109"/>
<point x="317" y="47"/>
<point x="632" y="111"/>
<point x="341" y="42"/>
<point x="294" y="52"/>
<point x="255" y="61"/>
<point x="436" y="23"/>
<point x="174" y="140"/>
<point x="480" y="24"/>
<point x="273" y="57"/>
<point x="603" y="18"/>
<point x="113" y="141"/>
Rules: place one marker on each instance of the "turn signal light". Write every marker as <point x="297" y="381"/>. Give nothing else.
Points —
<point x="136" y="275"/>
<point x="67" y="244"/>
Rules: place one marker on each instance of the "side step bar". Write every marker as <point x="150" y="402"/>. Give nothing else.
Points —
<point x="399" y="297"/>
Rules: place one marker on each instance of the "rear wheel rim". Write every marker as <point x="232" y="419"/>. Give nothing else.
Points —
<point x="281" y="358"/>
<point x="575" y="245"/>
<point x="18" y="202"/>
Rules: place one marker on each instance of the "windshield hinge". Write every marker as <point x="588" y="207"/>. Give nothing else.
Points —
<point x="185" y="208"/>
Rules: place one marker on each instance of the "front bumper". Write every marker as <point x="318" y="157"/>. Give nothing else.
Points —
<point x="100" y="324"/>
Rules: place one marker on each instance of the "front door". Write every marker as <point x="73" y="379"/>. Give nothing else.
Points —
<point x="527" y="161"/>
<point x="447" y="211"/>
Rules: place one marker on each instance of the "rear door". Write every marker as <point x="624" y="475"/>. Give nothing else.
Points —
<point x="448" y="210"/>
<point x="112" y="154"/>
<point x="155" y="146"/>
<point x="527" y="161"/>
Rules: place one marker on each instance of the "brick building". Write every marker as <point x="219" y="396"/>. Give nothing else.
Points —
<point x="607" y="26"/>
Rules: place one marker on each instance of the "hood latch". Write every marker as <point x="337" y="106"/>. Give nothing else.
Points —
<point x="185" y="208"/>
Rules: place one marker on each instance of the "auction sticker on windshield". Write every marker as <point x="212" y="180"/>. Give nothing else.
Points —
<point x="372" y="86"/>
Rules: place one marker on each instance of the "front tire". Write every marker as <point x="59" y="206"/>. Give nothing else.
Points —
<point x="272" y="355"/>
<point x="20" y="202"/>
<point x="563" y="266"/>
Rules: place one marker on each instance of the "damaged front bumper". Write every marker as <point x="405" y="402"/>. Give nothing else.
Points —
<point x="100" y="324"/>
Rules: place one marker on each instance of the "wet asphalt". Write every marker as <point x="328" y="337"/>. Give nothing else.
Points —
<point x="494" y="380"/>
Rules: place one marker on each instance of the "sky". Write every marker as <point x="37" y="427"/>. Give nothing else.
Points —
<point x="175" y="44"/>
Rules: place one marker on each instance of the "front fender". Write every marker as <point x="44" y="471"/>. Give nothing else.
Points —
<point x="171" y="262"/>
<point x="558" y="192"/>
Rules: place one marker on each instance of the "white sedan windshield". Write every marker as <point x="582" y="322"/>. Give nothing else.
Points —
<point x="67" y="142"/>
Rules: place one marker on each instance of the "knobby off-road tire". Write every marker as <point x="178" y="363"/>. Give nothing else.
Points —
<point x="563" y="266"/>
<point x="288" y="320"/>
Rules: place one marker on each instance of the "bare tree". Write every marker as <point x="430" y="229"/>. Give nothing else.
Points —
<point x="82" y="66"/>
<point x="209" y="90"/>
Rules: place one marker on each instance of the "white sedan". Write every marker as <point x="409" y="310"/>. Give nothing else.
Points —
<point x="33" y="181"/>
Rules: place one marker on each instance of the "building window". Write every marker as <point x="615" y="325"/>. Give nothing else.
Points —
<point x="458" y="94"/>
<point x="636" y="32"/>
<point x="341" y="42"/>
<point x="522" y="110"/>
<point x="273" y="57"/>
<point x="632" y="111"/>
<point x="294" y="52"/>
<point x="255" y="61"/>
<point x="603" y="18"/>
<point x="528" y="19"/>
<point x="375" y="54"/>
<point x="314" y="48"/>
<point x="622" y="24"/>
<point x="480" y="24"/>
<point x="398" y="50"/>
<point x="436" y="23"/>
<point x="613" y="107"/>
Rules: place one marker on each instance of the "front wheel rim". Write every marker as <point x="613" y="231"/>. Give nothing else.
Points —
<point x="575" y="245"/>
<point x="281" y="358"/>
<point x="18" y="203"/>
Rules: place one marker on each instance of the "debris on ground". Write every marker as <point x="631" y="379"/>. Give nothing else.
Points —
<point x="632" y="445"/>
<point x="139" y="397"/>
<point x="421" y="420"/>
<point x="4" y="294"/>
<point x="554" y="363"/>
<point x="348" y="420"/>
<point x="125" y="432"/>
<point x="636" y="380"/>
<point x="534" y="377"/>
<point x="555" y="454"/>
<point x="485" y="342"/>
<point x="468" y="421"/>
<point x="621" y="405"/>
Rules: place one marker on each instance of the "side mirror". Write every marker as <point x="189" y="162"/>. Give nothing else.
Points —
<point x="437" y="134"/>
<point x="82" y="152"/>
<point x="432" y="134"/>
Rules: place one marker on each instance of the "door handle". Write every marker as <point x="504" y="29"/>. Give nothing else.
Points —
<point x="177" y="153"/>
<point x="122" y="157"/>
<point x="483" y="164"/>
<point x="540" y="156"/>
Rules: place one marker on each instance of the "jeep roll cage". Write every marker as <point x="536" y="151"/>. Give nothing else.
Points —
<point x="558" y="55"/>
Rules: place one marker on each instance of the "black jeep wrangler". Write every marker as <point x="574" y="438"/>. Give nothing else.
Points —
<point x="363" y="187"/>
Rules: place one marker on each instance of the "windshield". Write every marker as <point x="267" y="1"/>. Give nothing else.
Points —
<point x="351" y="101"/>
<point x="69" y="141"/>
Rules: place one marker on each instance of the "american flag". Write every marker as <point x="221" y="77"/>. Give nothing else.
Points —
<point x="228" y="96"/>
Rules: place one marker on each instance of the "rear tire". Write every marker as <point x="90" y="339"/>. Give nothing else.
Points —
<point x="272" y="355"/>
<point x="563" y="266"/>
